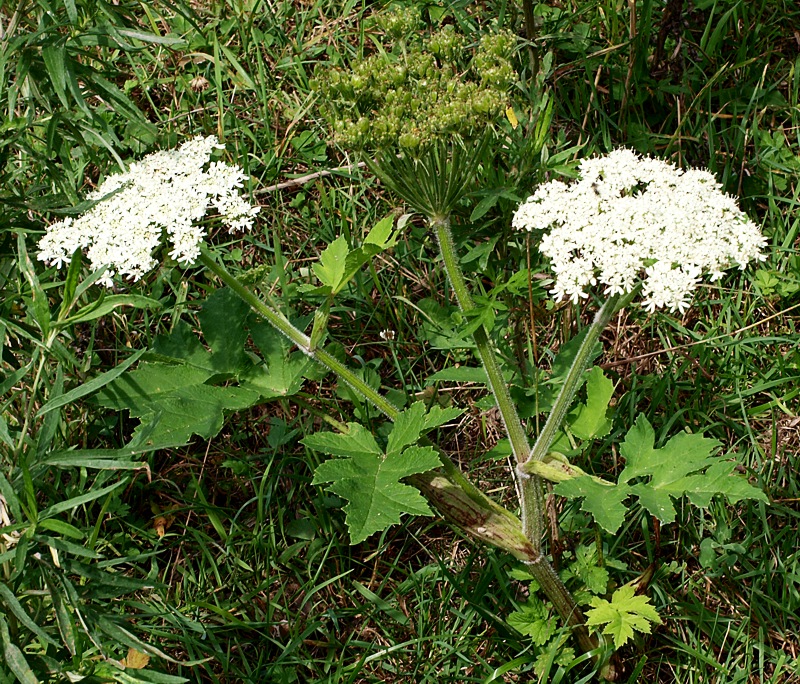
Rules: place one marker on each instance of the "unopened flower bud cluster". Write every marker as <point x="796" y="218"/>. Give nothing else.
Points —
<point x="429" y="90"/>
<point x="397" y="22"/>
<point x="630" y="218"/>
<point x="167" y="192"/>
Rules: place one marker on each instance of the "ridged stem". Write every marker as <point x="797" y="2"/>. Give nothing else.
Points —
<point x="572" y="383"/>
<point x="530" y="488"/>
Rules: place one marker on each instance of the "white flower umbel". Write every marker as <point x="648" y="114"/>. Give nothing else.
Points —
<point x="165" y="193"/>
<point x="630" y="218"/>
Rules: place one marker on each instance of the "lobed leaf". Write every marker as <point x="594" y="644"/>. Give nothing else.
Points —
<point x="684" y="466"/>
<point x="222" y="320"/>
<point x="356" y="442"/>
<point x="330" y="268"/>
<point x="369" y="478"/>
<point x="177" y="392"/>
<point x="371" y="484"/>
<point x="413" y="422"/>
<point x="586" y="570"/>
<point x="590" y="420"/>
<point x="534" y="620"/>
<point x="603" y="502"/>
<point x="625" y="614"/>
<point x="194" y="410"/>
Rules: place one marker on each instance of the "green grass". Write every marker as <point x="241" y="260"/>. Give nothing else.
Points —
<point x="254" y="580"/>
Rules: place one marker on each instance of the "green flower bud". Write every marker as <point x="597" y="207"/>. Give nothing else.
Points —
<point x="431" y="91"/>
<point x="482" y="104"/>
<point x="409" y="140"/>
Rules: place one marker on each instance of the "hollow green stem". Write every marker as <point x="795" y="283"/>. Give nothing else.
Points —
<point x="516" y="432"/>
<point x="562" y="600"/>
<point x="571" y="384"/>
<point x="531" y="496"/>
<point x="530" y="486"/>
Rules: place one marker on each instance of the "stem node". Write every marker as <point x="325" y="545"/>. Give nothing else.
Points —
<point x="521" y="473"/>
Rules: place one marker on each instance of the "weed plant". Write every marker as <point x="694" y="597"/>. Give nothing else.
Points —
<point x="220" y="561"/>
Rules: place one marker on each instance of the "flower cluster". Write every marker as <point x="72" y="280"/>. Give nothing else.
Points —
<point x="630" y="218"/>
<point x="166" y="192"/>
<point x="435" y="88"/>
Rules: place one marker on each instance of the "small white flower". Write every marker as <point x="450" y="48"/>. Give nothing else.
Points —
<point x="630" y="218"/>
<point x="164" y="194"/>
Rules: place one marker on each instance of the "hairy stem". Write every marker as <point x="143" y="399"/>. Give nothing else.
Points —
<point x="571" y="384"/>
<point x="528" y="549"/>
<point x="530" y="488"/>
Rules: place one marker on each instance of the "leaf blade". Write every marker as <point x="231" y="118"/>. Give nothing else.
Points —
<point x="603" y="502"/>
<point x="370" y="480"/>
<point x="590" y="420"/>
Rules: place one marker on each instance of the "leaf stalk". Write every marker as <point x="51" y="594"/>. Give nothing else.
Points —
<point x="573" y="381"/>
<point x="324" y="358"/>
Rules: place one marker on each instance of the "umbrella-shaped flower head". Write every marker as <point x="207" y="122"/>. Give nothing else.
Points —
<point x="162" y="196"/>
<point x="628" y="219"/>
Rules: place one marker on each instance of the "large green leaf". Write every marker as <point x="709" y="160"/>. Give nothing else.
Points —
<point x="371" y="484"/>
<point x="143" y="391"/>
<point x="195" y="410"/>
<point x="369" y="477"/>
<point x="282" y="372"/>
<point x="179" y="392"/>
<point x="414" y="421"/>
<point x="604" y="502"/>
<point x="222" y="321"/>
<point x="182" y="347"/>
<point x="357" y="442"/>
<point x="685" y="466"/>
